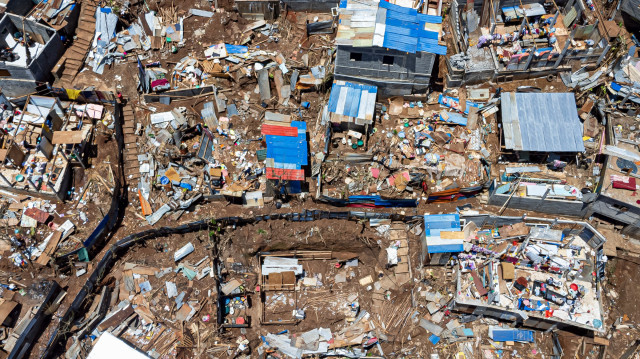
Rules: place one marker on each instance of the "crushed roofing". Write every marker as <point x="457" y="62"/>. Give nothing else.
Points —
<point x="541" y="122"/>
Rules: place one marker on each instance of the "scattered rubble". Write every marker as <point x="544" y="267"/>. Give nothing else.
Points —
<point x="172" y="177"/>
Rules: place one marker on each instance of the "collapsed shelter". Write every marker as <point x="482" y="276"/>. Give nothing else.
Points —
<point x="509" y="40"/>
<point x="535" y="272"/>
<point x="27" y="60"/>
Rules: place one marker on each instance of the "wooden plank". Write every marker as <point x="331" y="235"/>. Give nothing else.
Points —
<point x="116" y="319"/>
<point x="597" y="341"/>
<point x="69" y="72"/>
<point x="478" y="283"/>
<point x="452" y="235"/>
<point x="87" y="28"/>
<point x="67" y="137"/>
<point x="50" y="249"/>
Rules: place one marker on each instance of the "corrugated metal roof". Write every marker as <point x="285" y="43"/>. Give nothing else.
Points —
<point x="354" y="101"/>
<point x="541" y="122"/>
<point x="364" y="24"/>
<point x="436" y="223"/>
<point x="406" y="30"/>
<point x="500" y="334"/>
<point x="279" y="130"/>
<point x="286" y="149"/>
<point x="285" y="174"/>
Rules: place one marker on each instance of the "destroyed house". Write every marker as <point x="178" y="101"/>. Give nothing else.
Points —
<point x="616" y="198"/>
<point x="27" y="60"/>
<point x="533" y="272"/>
<point x="509" y="40"/>
<point x="258" y="9"/>
<point x="387" y="45"/>
<point x="42" y="142"/>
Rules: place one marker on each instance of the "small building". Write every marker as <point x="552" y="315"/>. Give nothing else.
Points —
<point x="541" y="133"/>
<point x="26" y="64"/>
<point x="388" y="46"/>
<point x="352" y="106"/>
<point x="540" y="124"/>
<point x="41" y="145"/>
<point x="287" y="153"/>
<point x="443" y="237"/>
<point x="547" y="280"/>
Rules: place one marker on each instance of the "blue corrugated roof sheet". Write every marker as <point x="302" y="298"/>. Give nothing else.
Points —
<point x="499" y="334"/>
<point x="394" y="27"/>
<point x="431" y="19"/>
<point x="428" y="45"/>
<point x="287" y="151"/>
<point x="405" y="30"/>
<point x="348" y="102"/>
<point x="436" y="223"/>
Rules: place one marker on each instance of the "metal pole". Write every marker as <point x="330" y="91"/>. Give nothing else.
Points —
<point x="564" y="51"/>
<point x="32" y="184"/>
<point x="6" y="180"/>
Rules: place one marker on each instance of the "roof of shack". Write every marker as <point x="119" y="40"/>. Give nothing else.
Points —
<point x="382" y="24"/>
<point x="541" y="122"/>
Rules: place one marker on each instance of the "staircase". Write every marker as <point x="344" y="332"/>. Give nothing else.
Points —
<point x="131" y="164"/>
<point x="398" y="235"/>
<point x="72" y="61"/>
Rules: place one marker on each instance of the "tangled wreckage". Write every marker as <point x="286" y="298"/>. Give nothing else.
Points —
<point x="249" y="178"/>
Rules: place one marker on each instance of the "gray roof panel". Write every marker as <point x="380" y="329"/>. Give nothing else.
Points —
<point x="541" y="122"/>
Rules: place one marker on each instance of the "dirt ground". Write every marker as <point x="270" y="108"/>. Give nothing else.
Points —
<point x="325" y="304"/>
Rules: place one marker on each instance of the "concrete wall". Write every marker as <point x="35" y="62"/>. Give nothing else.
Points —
<point x="551" y="206"/>
<point x="22" y="80"/>
<point x="259" y="10"/>
<point x="618" y="212"/>
<point x="532" y="320"/>
<point x="19" y="7"/>
<point x="407" y="74"/>
<point x="311" y="5"/>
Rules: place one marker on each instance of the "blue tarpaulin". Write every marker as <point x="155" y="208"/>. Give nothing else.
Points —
<point x="454" y="103"/>
<point x="405" y="30"/>
<point x="500" y="334"/>
<point x="236" y="49"/>
<point x="434" y="224"/>
<point x="456" y="118"/>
